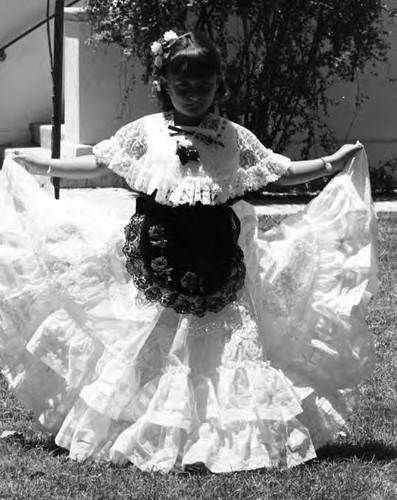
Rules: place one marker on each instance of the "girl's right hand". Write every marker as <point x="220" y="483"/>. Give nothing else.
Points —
<point x="33" y="163"/>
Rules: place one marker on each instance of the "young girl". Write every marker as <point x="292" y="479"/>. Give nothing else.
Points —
<point x="191" y="338"/>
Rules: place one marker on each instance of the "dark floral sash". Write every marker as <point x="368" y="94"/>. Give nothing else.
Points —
<point x="185" y="257"/>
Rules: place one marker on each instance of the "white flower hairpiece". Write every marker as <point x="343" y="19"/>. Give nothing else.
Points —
<point x="156" y="48"/>
<point x="161" y="46"/>
<point x="170" y="35"/>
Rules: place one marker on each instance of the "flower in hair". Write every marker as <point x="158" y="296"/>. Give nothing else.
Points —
<point x="170" y="35"/>
<point x="157" y="51"/>
<point x="161" y="47"/>
<point x="156" y="48"/>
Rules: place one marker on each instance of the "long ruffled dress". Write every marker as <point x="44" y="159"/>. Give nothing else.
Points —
<point x="116" y="377"/>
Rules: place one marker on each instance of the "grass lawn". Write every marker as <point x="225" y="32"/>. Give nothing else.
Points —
<point x="362" y="465"/>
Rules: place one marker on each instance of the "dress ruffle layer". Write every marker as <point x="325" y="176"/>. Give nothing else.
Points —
<point x="262" y="383"/>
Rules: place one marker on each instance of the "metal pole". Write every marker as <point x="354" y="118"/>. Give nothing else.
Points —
<point x="57" y="81"/>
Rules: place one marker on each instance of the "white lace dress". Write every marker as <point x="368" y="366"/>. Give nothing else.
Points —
<point x="262" y="383"/>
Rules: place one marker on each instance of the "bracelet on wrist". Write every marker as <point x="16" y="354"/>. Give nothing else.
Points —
<point x="49" y="169"/>
<point x="327" y="165"/>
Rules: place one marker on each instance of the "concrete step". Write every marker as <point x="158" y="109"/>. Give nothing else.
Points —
<point x="109" y="180"/>
<point x="41" y="134"/>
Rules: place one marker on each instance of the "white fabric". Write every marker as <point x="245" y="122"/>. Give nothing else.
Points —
<point x="144" y="153"/>
<point x="262" y="383"/>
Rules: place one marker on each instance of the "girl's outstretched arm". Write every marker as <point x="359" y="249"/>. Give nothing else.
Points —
<point x="80" y="167"/>
<point x="307" y="170"/>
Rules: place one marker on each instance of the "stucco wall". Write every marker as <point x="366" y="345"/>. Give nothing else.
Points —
<point x="25" y="81"/>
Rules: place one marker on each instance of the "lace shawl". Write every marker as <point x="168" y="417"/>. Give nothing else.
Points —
<point x="230" y="160"/>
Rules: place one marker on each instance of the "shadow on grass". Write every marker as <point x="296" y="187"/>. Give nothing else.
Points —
<point x="367" y="452"/>
<point x="31" y="440"/>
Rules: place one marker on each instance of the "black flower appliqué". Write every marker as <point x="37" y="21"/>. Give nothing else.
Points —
<point x="187" y="153"/>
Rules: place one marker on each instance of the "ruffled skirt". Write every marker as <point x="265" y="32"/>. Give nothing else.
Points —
<point x="263" y="383"/>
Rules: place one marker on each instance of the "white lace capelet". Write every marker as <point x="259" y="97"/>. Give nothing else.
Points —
<point x="232" y="161"/>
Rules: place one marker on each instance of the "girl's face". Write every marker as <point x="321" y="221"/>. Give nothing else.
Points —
<point x="192" y="97"/>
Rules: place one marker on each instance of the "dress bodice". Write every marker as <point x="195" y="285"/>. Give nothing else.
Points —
<point x="229" y="160"/>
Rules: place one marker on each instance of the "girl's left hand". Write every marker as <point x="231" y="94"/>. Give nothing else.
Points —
<point x="340" y="157"/>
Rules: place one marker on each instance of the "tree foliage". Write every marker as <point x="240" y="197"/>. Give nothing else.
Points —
<point x="281" y="56"/>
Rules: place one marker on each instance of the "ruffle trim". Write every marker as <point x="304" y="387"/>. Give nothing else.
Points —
<point x="191" y="190"/>
<point x="94" y="403"/>
<point x="244" y="166"/>
<point x="98" y="410"/>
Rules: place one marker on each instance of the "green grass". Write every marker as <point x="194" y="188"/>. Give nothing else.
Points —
<point x="362" y="465"/>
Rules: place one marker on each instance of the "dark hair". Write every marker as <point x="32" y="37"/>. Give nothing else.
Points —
<point x="193" y="55"/>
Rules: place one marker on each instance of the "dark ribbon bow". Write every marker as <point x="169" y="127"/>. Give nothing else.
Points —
<point x="179" y="131"/>
<point x="207" y="139"/>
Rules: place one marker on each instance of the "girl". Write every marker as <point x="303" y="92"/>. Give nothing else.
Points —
<point x="206" y="342"/>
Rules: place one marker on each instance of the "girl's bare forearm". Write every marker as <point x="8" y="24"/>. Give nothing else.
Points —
<point x="304" y="171"/>
<point x="81" y="167"/>
<point x="307" y="170"/>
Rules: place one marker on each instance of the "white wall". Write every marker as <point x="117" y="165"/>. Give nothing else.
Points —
<point x="95" y="84"/>
<point x="25" y="81"/>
